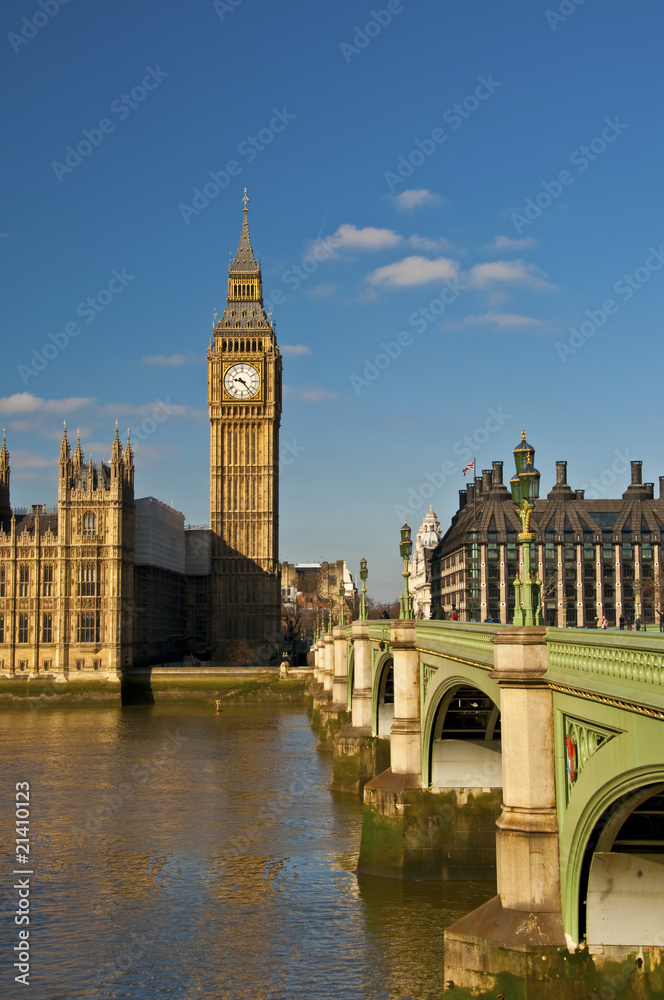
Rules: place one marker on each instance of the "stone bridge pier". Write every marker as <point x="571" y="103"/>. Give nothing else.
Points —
<point x="520" y="931"/>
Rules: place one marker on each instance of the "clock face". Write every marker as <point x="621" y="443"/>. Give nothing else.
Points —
<point x="242" y="381"/>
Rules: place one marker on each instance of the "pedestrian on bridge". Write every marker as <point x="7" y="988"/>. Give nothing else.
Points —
<point x="661" y="621"/>
<point x="621" y="623"/>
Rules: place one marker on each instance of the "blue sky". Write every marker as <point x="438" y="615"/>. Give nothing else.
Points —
<point x="472" y="193"/>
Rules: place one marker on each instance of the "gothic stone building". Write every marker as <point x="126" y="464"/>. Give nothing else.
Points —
<point x="594" y="557"/>
<point x="67" y="575"/>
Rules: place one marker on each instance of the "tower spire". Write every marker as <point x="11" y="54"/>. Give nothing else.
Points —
<point x="245" y="262"/>
<point x="4" y="463"/>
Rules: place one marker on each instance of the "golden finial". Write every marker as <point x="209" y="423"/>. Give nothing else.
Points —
<point x="523" y="434"/>
<point x="245" y="201"/>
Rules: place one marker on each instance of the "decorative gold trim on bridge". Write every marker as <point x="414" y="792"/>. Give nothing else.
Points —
<point x="604" y="700"/>
<point x="457" y="659"/>
<point x="448" y="656"/>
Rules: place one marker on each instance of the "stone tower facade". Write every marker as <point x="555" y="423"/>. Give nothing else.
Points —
<point x="244" y="401"/>
<point x="67" y="575"/>
<point x="428" y="537"/>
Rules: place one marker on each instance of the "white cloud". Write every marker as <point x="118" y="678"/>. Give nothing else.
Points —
<point x="429" y="246"/>
<point x="416" y="198"/>
<point x="502" y="321"/>
<point x="510" y="271"/>
<point x="314" y="393"/>
<point x="163" y="408"/>
<point x="322" y="291"/>
<point x="24" y="403"/>
<point x="169" y="360"/>
<point x="413" y="271"/>
<point x="308" y="393"/>
<point x="369" y="238"/>
<point x="506" y="243"/>
<point x="21" y="459"/>
<point x="294" y="350"/>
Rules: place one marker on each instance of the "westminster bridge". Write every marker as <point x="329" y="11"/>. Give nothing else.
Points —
<point x="534" y="756"/>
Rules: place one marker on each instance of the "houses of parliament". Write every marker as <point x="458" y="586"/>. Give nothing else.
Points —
<point x="105" y="581"/>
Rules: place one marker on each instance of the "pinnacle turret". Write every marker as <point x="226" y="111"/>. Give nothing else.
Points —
<point x="64" y="446"/>
<point x="116" y="450"/>
<point x="4" y="460"/>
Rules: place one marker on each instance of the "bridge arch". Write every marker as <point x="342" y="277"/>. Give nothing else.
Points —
<point x="383" y="695"/>
<point x="461" y="737"/>
<point x="618" y="839"/>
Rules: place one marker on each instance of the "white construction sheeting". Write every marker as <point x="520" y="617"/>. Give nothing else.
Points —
<point x="158" y="535"/>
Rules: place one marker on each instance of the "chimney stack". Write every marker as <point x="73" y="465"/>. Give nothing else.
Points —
<point x="463" y="499"/>
<point x="661" y="487"/>
<point x="497" y="473"/>
<point x="636" y="473"/>
<point x="561" y="473"/>
<point x="486" y="480"/>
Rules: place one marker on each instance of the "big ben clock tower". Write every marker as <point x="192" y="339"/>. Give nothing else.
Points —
<point x="244" y="400"/>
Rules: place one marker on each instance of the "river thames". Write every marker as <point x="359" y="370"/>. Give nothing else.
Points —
<point x="175" y="851"/>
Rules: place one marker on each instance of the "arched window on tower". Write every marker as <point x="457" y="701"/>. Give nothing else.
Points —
<point x="236" y="345"/>
<point x="223" y="345"/>
<point x="253" y="346"/>
<point x="260" y="345"/>
<point x="89" y="524"/>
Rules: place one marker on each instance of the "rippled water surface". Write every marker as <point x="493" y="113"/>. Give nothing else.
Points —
<point x="177" y="852"/>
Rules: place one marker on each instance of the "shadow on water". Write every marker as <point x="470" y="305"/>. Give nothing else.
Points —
<point x="136" y="689"/>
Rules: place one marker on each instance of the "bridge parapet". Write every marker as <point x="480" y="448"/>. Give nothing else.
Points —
<point x="623" y="669"/>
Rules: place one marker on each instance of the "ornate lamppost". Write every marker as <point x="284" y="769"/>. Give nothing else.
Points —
<point x="405" y="548"/>
<point x="363" y="578"/>
<point x="342" y="603"/>
<point x="636" y="587"/>
<point x="525" y="491"/>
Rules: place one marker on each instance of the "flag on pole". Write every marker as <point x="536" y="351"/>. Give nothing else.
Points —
<point x="471" y="465"/>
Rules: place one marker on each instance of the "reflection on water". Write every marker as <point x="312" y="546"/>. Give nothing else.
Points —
<point x="178" y="852"/>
